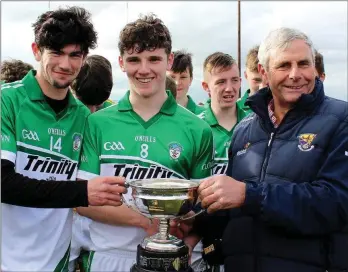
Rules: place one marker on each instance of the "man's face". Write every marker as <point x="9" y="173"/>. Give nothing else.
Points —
<point x="183" y="82"/>
<point x="223" y="86"/>
<point x="59" y="68"/>
<point x="291" y="73"/>
<point x="254" y="80"/>
<point x="146" y="71"/>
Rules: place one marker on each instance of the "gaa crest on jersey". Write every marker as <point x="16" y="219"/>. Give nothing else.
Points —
<point x="175" y="150"/>
<point x="305" y="141"/>
<point x="77" y="141"/>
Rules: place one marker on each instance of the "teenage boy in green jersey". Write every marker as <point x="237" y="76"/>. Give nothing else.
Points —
<point x="146" y="135"/>
<point x="41" y="133"/>
<point x="222" y="81"/>
<point x="252" y="76"/>
<point x="182" y="73"/>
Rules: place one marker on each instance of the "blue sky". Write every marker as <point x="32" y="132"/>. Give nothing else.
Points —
<point x="199" y="27"/>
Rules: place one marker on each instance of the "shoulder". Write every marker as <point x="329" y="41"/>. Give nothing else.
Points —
<point x="189" y="118"/>
<point x="335" y="107"/>
<point x="82" y="108"/>
<point x="245" y="123"/>
<point x="13" y="93"/>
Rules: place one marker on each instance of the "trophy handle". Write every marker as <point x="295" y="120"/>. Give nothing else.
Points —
<point x="198" y="209"/>
<point x="128" y="200"/>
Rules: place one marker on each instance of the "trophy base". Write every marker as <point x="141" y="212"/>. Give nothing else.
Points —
<point x="135" y="268"/>
<point x="149" y="261"/>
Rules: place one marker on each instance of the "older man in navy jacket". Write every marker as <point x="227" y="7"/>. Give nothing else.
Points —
<point x="286" y="189"/>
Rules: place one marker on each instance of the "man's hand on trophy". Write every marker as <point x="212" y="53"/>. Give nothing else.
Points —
<point x="181" y="228"/>
<point x="221" y="192"/>
<point x="106" y="191"/>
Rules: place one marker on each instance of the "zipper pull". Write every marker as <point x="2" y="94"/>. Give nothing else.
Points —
<point x="270" y="139"/>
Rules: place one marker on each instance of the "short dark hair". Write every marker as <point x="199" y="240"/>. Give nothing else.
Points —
<point x="182" y="61"/>
<point x="94" y="82"/>
<point x="146" y="33"/>
<point x="56" y="29"/>
<point x="171" y="85"/>
<point x="218" y="60"/>
<point x="319" y="63"/>
<point x="13" y="70"/>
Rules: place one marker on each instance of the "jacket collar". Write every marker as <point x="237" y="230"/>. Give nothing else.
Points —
<point x="306" y="104"/>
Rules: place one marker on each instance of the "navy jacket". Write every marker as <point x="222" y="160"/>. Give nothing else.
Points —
<point x="295" y="214"/>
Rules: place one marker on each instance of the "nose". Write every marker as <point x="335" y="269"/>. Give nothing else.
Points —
<point x="144" y="68"/>
<point x="295" y="73"/>
<point x="64" y="63"/>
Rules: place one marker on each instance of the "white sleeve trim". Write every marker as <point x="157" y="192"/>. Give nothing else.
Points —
<point x="7" y="155"/>
<point x="85" y="175"/>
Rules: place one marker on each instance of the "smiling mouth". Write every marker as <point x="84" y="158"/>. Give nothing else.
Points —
<point x="228" y="96"/>
<point x="294" y="87"/>
<point x="145" y="80"/>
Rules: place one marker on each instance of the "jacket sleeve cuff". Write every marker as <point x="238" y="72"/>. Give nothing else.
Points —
<point x="253" y="199"/>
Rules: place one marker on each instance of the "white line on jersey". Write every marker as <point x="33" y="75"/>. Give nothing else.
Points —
<point x="44" y="150"/>
<point x="8" y="155"/>
<point x="11" y="86"/>
<point x="138" y="159"/>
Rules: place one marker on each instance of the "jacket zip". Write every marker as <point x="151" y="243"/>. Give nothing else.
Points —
<point x="268" y="152"/>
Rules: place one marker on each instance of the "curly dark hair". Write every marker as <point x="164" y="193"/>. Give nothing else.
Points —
<point x="94" y="83"/>
<point x="56" y="29"/>
<point x="182" y="60"/>
<point x="13" y="70"/>
<point x="146" y="33"/>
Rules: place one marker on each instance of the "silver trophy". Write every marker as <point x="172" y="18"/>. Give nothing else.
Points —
<point x="164" y="199"/>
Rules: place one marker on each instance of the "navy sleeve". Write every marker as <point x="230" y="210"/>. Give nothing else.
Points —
<point x="19" y="190"/>
<point x="309" y="208"/>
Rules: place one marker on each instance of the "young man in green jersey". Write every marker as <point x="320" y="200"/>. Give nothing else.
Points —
<point x="252" y="76"/>
<point x="146" y="135"/>
<point x="222" y="81"/>
<point x="41" y="138"/>
<point x="182" y="73"/>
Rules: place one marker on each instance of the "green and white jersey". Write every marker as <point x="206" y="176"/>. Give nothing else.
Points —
<point x="222" y="137"/>
<point x="193" y="107"/>
<point x="118" y="142"/>
<point x="42" y="145"/>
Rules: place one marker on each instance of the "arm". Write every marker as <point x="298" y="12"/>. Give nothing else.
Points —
<point x="317" y="207"/>
<point x="19" y="190"/>
<point x="116" y="216"/>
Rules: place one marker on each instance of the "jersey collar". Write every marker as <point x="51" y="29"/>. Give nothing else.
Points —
<point x="168" y="107"/>
<point x="34" y="90"/>
<point x="211" y="119"/>
<point x="191" y="105"/>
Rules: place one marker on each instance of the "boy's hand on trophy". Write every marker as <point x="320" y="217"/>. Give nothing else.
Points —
<point x="153" y="227"/>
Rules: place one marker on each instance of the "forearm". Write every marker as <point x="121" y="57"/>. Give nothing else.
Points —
<point x="121" y="215"/>
<point x="19" y="190"/>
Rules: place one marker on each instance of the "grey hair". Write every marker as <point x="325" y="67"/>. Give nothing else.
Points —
<point x="280" y="39"/>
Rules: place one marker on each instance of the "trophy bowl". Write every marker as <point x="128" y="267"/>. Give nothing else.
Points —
<point x="163" y="198"/>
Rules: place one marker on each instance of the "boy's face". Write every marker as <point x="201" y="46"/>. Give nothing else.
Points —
<point x="146" y="71"/>
<point x="183" y="82"/>
<point x="254" y="80"/>
<point x="59" y="68"/>
<point x="223" y="86"/>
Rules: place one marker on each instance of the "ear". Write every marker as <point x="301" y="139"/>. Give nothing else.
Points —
<point x="205" y="87"/>
<point x="322" y="77"/>
<point x="262" y="71"/>
<point x="191" y="78"/>
<point x="245" y="75"/>
<point x="121" y="63"/>
<point x="36" y="51"/>
<point x="170" y="61"/>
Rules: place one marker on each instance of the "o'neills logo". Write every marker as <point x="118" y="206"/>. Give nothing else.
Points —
<point x="49" y="166"/>
<point x="136" y="171"/>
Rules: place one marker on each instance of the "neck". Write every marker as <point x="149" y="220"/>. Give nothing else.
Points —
<point x="252" y="92"/>
<point x="226" y="117"/>
<point x="280" y="111"/>
<point x="49" y="90"/>
<point x="147" y="107"/>
<point x="183" y="101"/>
